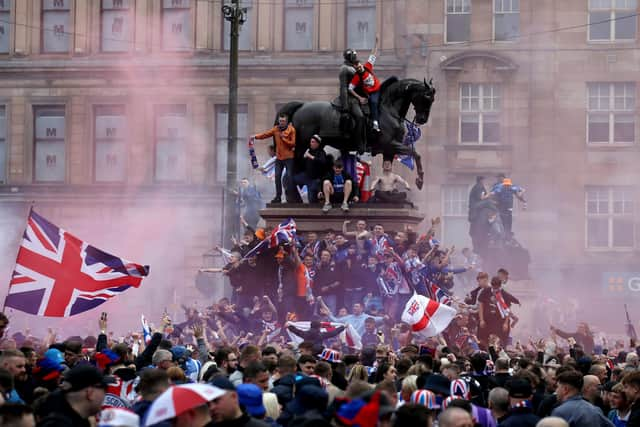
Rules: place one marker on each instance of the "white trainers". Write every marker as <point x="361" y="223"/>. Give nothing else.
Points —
<point x="345" y="207"/>
<point x="376" y="126"/>
<point x="326" y="208"/>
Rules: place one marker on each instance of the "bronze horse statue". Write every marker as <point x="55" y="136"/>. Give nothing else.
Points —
<point x="396" y="96"/>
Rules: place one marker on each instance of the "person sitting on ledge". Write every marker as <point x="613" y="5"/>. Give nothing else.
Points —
<point x="338" y="187"/>
<point x="384" y="188"/>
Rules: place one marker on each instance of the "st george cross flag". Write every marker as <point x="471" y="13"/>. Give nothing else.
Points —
<point x="349" y="337"/>
<point x="59" y="275"/>
<point x="427" y="317"/>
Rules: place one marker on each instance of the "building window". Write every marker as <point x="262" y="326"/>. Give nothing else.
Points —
<point x="610" y="212"/>
<point x="110" y="143"/>
<point x="506" y="24"/>
<point x="49" y="149"/>
<point x="171" y="139"/>
<point x="479" y="113"/>
<point x="176" y="25"/>
<point x="117" y="25"/>
<point x="222" y="139"/>
<point x="3" y="144"/>
<point x="5" y="25"/>
<point x="298" y="24"/>
<point x="458" y="21"/>
<point x="245" y="40"/>
<point x="56" y="26"/>
<point x="611" y="20"/>
<point x="611" y="112"/>
<point x="361" y="24"/>
<point x="455" y="212"/>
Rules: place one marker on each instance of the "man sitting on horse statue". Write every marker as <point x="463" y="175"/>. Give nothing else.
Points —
<point x="366" y="81"/>
<point x="349" y="105"/>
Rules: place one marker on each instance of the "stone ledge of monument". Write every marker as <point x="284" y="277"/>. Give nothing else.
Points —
<point x="335" y="205"/>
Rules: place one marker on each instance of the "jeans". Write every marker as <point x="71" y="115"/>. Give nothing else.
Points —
<point x="374" y="105"/>
<point x="280" y="165"/>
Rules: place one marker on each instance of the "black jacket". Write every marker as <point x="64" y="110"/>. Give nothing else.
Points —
<point x="59" y="413"/>
<point x="634" y="416"/>
<point x="283" y="389"/>
<point x="520" y="417"/>
<point x="144" y="359"/>
<point x="316" y="168"/>
<point x="244" y="421"/>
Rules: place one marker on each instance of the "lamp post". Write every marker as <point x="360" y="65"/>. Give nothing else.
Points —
<point x="236" y="16"/>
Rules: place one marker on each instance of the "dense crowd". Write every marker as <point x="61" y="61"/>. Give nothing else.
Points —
<point x="284" y="351"/>
<point x="180" y="377"/>
<point x="362" y="277"/>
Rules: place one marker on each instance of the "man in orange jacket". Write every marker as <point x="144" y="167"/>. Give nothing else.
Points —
<point x="285" y="136"/>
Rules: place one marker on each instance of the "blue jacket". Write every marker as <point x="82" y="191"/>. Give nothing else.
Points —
<point x="580" y="413"/>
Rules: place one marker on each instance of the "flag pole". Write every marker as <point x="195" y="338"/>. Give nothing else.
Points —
<point x="15" y="264"/>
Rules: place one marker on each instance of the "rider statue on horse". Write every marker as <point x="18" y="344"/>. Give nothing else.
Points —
<point x="342" y="123"/>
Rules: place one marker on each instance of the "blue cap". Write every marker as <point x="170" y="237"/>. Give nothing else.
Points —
<point x="55" y="355"/>
<point x="250" y="396"/>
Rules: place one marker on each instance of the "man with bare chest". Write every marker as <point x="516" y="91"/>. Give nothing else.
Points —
<point x="384" y="187"/>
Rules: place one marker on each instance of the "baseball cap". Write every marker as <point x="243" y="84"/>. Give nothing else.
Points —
<point x="223" y="382"/>
<point x="519" y="388"/>
<point x="438" y="384"/>
<point x="250" y="396"/>
<point x="85" y="376"/>
<point x="55" y="355"/>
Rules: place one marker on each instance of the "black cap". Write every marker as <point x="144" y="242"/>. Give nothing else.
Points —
<point x="223" y="382"/>
<point x="520" y="388"/>
<point x="317" y="138"/>
<point x="85" y="376"/>
<point x="439" y="384"/>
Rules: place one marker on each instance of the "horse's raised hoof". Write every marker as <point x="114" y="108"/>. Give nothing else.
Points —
<point x="419" y="182"/>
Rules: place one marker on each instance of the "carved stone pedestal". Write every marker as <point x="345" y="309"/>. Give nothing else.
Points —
<point x="392" y="217"/>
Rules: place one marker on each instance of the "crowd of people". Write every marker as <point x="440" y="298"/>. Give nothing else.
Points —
<point x="284" y="350"/>
<point x="200" y="373"/>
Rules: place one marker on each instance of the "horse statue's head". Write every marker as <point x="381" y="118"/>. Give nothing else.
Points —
<point x="422" y="96"/>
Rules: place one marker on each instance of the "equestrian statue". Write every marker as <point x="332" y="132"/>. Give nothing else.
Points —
<point x="348" y="124"/>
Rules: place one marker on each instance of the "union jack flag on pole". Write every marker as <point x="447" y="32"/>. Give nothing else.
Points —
<point x="283" y="233"/>
<point x="437" y="294"/>
<point x="59" y="275"/>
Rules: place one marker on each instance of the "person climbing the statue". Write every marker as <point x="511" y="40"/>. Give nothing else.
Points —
<point x="366" y="81"/>
<point x="285" y="136"/>
<point x="348" y="104"/>
<point x="337" y="187"/>
<point x="384" y="187"/>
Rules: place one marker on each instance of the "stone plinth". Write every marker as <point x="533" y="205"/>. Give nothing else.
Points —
<point x="393" y="217"/>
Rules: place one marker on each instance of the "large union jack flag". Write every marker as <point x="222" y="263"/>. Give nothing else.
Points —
<point x="59" y="275"/>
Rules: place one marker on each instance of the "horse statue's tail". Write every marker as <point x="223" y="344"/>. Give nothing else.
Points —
<point x="289" y="109"/>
